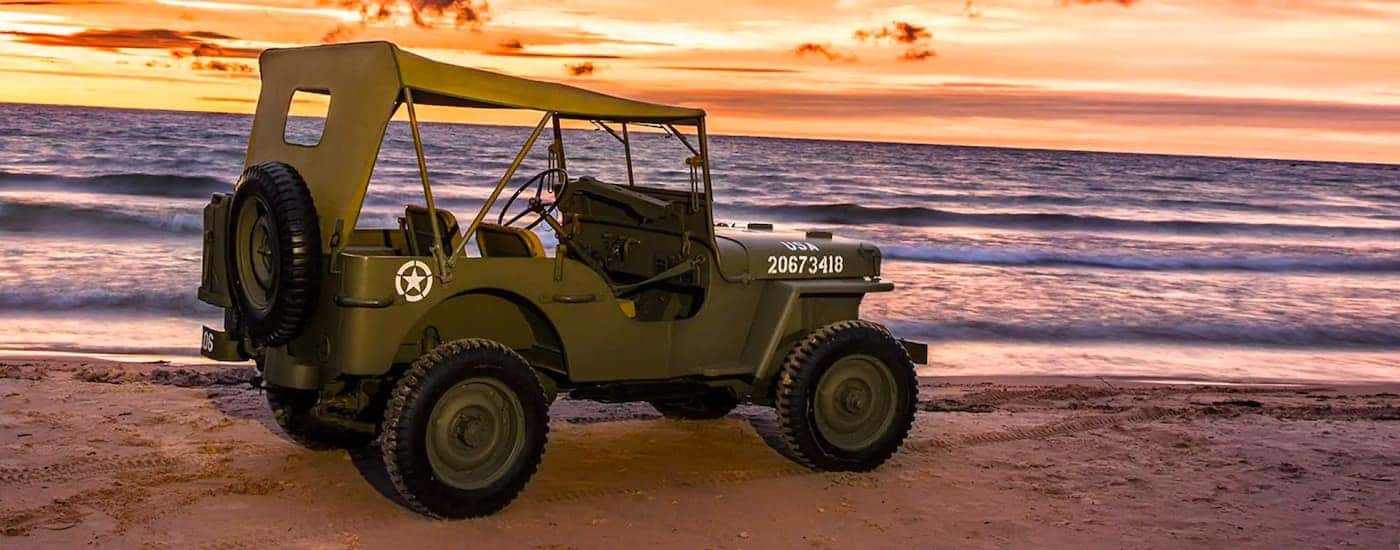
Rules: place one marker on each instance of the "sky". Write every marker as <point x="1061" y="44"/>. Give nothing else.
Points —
<point x="1302" y="79"/>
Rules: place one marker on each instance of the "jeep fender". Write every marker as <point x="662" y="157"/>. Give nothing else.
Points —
<point x="789" y="309"/>
<point x="495" y="314"/>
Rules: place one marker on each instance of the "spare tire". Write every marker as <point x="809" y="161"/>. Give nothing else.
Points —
<point x="274" y="253"/>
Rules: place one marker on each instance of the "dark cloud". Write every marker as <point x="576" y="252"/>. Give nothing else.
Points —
<point x="822" y="50"/>
<point x="581" y="69"/>
<point x="232" y="67"/>
<point x="915" y="37"/>
<point x="899" y="32"/>
<point x="917" y="54"/>
<point x="424" y="13"/>
<point x="512" y="44"/>
<point x="521" y="53"/>
<point x="112" y="39"/>
<point x="214" y="50"/>
<point x="728" y="69"/>
<point x="1016" y="102"/>
<point x="180" y="43"/>
<point x="52" y="2"/>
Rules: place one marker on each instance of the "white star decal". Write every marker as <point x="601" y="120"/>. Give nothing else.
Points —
<point x="413" y="281"/>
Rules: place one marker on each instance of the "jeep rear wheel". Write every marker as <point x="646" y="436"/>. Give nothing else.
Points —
<point x="846" y="397"/>
<point x="465" y="429"/>
<point x="274" y="253"/>
<point x="706" y="406"/>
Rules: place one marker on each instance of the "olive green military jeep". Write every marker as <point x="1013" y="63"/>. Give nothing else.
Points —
<point x="449" y="341"/>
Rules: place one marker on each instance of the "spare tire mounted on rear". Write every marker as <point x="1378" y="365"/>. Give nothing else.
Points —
<point x="274" y="253"/>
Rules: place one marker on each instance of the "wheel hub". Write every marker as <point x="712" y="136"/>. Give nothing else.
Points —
<point x="854" y="399"/>
<point x="474" y="433"/>
<point x="256" y="255"/>
<point x="855" y="402"/>
<point x="471" y="430"/>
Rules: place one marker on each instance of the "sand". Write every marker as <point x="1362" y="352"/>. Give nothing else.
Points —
<point x="158" y="455"/>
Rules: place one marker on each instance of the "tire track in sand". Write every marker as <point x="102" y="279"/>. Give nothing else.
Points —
<point x="340" y="526"/>
<point x="83" y="467"/>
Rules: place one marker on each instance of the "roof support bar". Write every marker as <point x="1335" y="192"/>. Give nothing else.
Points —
<point x="496" y="193"/>
<point x="439" y="255"/>
<point x="626" y="142"/>
<point x="673" y="131"/>
<point x="627" y="150"/>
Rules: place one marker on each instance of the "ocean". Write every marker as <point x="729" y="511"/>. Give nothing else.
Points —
<point x="1006" y="261"/>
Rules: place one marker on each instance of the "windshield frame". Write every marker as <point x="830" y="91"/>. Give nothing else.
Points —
<point x="699" y="163"/>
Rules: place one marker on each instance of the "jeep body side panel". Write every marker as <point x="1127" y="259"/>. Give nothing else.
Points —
<point x="601" y="343"/>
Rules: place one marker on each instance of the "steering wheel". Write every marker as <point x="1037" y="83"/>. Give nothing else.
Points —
<point x="536" y="204"/>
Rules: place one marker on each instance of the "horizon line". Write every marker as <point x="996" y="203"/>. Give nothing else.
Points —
<point x="789" y="137"/>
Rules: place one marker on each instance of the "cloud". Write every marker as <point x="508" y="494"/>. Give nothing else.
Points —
<point x="899" y="32"/>
<point x="729" y="69"/>
<point x="989" y="100"/>
<point x="548" y="55"/>
<point x="916" y="37"/>
<point x="214" y="50"/>
<point x="113" y="39"/>
<point x="180" y="43"/>
<point x="1124" y="3"/>
<point x="917" y="54"/>
<point x="423" y="13"/>
<point x="581" y="69"/>
<point x="813" y="48"/>
<point x="511" y="44"/>
<point x="232" y="67"/>
<point x="53" y="2"/>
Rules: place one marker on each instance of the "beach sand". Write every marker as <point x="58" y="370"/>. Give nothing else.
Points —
<point x="160" y="455"/>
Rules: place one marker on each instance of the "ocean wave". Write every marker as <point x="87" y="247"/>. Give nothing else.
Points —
<point x="95" y="222"/>
<point x="918" y="216"/>
<point x="1265" y="263"/>
<point x="153" y="185"/>
<point x="1211" y="333"/>
<point x="47" y="300"/>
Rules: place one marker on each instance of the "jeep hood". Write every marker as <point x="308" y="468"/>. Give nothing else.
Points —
<point x="768" y="254"/>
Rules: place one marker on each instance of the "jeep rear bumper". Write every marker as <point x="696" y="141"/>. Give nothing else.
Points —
<point x="217" y="345"/>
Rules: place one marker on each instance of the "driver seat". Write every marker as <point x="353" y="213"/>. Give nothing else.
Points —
<point x="500" y="241"/>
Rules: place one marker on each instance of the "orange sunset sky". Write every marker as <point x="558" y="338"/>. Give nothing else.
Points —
<point x="1309" y="79"/>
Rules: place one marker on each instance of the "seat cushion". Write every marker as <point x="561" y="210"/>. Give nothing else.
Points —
<point x="499" y="241"/>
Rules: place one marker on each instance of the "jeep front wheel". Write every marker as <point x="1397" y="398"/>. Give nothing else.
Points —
<point x="464" y="429"/>
<point x="845" y="397"/>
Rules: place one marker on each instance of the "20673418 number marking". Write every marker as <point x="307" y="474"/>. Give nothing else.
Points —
<point x="791" y="264"/>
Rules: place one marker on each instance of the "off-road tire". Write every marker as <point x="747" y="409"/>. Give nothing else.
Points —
<point x="797" y="385"/>
<point x="292" y="410"/>
<point x="705" y="406"/>
<point x="298" y="269"/>
<point x="406" y="419"/>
